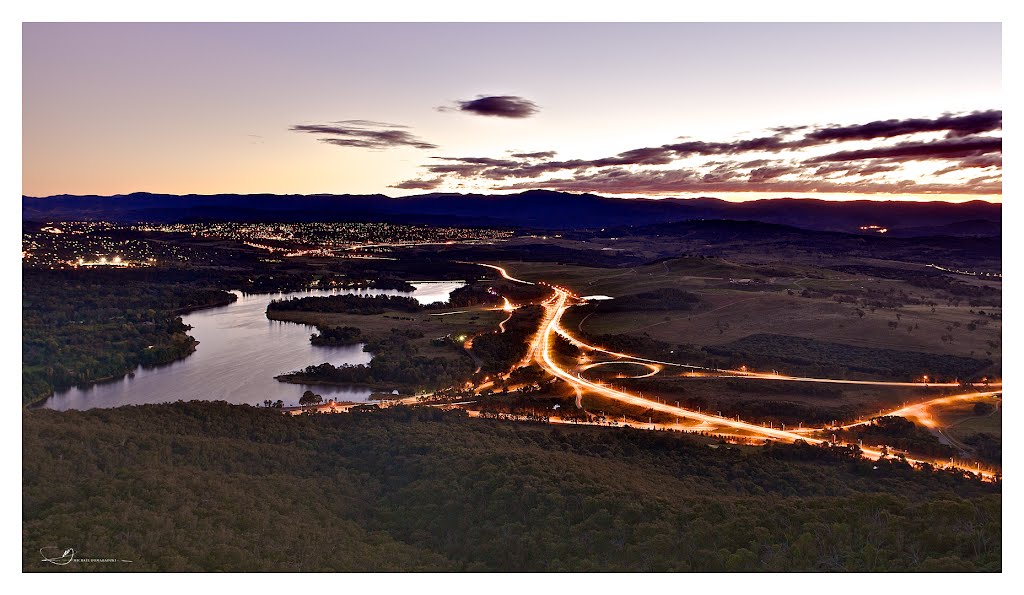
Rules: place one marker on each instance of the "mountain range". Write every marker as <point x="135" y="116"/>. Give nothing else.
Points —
<point x="535" y="209"/>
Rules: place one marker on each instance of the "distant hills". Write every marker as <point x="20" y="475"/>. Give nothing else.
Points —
<point x="535" y="209"/>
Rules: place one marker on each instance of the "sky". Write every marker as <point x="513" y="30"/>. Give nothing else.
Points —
<point x="733" y="110"/>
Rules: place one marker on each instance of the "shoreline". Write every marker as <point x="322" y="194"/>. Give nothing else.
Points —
<point x="377" y="387"/>
<point x="38" y="403"/>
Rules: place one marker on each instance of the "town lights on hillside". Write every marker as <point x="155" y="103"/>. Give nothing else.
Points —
<point x="116" y="261"/>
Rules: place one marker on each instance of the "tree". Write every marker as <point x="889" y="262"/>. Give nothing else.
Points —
<point x="309" y="398"/>
<point x="983" y="408"/>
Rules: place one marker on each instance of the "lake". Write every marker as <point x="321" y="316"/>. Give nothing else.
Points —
<point x="240" y="351"/>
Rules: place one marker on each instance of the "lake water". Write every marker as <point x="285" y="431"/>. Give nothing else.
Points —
<point x="240" y="351"/>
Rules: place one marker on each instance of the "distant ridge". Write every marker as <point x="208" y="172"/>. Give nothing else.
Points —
<point x="534" y="209"/>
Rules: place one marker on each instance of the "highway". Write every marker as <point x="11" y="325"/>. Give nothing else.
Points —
<point x="540" y="352"/>
<point x="652" y="369"/>
<point x="501" y="271"/>
<point x="749" y="374"/>
<point x="919" y="411"/>
<point x="542" y="356"/>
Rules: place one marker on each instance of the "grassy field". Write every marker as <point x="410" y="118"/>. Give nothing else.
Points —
<point x="684" y="273"/>
<point x="977" y="424"/>
<point x="472" y="321"/>
<point x="961" y="421"/>
<point x="761" y="400"/>
<point x="734" y="308"/>
<point x="735" y="314"/>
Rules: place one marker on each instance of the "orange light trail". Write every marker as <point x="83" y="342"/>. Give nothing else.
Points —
<point x="540" y="350"/>
<point x="556" y="308"/>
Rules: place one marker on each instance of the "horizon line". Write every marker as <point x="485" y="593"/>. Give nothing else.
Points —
<point x="736" y="200"/>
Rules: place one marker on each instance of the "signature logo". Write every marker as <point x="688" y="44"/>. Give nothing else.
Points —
<point x="55" y="555"/>
<point x="63" y="557"/>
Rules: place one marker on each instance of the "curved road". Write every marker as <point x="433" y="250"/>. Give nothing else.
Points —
<point x="541" y="352"/>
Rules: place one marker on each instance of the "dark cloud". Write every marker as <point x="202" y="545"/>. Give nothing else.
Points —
<point x="662" y="155"/>
<point x="855" y="169"/>
<point x="985" y="180"/>
<point x="487" y="161"/>
<point x="785" y="130"/>
<point x="979" y="162"/>
<point x="429" y="184"/>
<point x="763" y="174"/>
<point x="954" y="125"/>
<point x="502" y="106"/>
<point x="472" y="167"/>
<point x="952" y="148"/>
<point x="536" y="155"/>
<point x="364" y="134"/>
<point x="619" y="181"/>
<point x="773" y="166"/>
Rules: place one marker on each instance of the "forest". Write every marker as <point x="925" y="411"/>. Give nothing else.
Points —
<point x="664" y="298"/>
<point x="900" y="433"/>
<point x="79" y="328"/>
<point x="331" y="335"/>
<point x="211" y="486"/>
<point x="471" y="294"/>
<point x="498" y="352"/>
<point x="346" y="303"/>
<point x="396" y="364"/>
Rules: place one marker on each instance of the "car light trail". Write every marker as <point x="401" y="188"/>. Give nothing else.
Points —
<point x="541" y="349"/>
<point x="652" y="368"/>
<point x="501" y="271"/>
<point x="754" y="375"/>
<point x="918" y="410"/>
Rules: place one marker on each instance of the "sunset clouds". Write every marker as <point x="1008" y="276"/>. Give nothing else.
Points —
<point x="364" y="134"/>
<point x="877" y="157"/>
<point x="740" y="111"/>
<point x="500" y="106"/>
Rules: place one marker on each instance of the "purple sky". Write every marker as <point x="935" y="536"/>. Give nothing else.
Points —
<point x="871" y="110"/>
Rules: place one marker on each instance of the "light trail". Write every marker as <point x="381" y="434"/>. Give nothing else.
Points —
<point x="540" y="349"/>
<point x="652" y="368"/>
<point x="502" y="271"/>
<point x="918" y="410"/>
<point x="543" y="357"/>
<point x="554" y="309"/>
<point x="757" y="375"/>
<point x="579" y="343"/>
<point x="508" y="307"/>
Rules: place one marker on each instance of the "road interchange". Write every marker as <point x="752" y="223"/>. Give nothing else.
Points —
<point x="541" y="351"/>
<point x="541" y="348"/>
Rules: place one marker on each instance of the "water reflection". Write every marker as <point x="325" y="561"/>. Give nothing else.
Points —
<point x="239" y="353"/>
